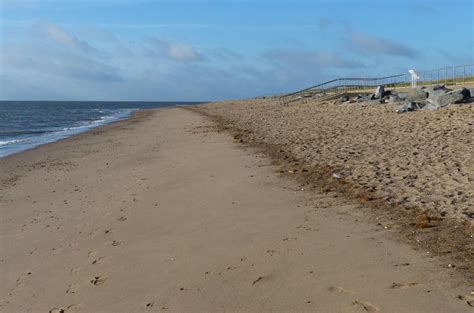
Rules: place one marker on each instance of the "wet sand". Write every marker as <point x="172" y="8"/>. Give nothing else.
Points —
<point x="164" y="212"/>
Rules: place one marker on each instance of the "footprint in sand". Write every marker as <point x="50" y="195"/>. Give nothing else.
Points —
<point x="469" y="299"/>
<point x="121" y="219"/>
<point x="74" y="270"/>
<point x="116" y="243"/>
<point x="366" y="306"/>
<point x="59" y="310"/>
<point x="98" y="261"/>
<point x="72" y="288"/>
<point x="93" y="233"/>
<point x="21" y="281"/>
<point x="402" y="286"/>
<point x="98" y="280"/>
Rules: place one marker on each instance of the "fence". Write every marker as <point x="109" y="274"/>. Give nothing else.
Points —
<point x="453" y="75"/>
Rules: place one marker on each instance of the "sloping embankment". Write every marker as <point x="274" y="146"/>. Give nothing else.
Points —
<point x="418" y="168"/>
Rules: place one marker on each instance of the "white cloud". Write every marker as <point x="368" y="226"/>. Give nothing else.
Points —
<point x="305" y="59"/>
<point x="176" y="51"/>
<point x="182" y="52"/>
<point x="366" y="43"/>
<point x="58" y="35"/>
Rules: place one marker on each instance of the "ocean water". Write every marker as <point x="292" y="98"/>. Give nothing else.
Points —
<point x="27" y="124"/>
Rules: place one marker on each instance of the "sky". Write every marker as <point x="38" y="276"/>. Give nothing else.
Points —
<point x="183" y="50"/>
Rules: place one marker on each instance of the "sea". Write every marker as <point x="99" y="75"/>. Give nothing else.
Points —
<point x="27" y="124"/>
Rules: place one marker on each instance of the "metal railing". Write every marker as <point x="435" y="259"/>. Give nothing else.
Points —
<point x="461" y="74"/>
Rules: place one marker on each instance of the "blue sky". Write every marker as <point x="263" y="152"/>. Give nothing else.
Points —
<point x="207" y="50"/>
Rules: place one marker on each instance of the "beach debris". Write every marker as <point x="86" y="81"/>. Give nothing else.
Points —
<point x="336" y="175"/>
<point x="427" y="221"/>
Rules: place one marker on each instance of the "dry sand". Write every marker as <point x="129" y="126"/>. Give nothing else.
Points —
<point x="163" y="213"/>
<point x="423" y="159"/>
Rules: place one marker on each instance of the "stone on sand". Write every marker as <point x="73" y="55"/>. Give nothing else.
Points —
<point x="379" y="91"/>
<point x="410" y="106"/>
<point x="454" y="96"/>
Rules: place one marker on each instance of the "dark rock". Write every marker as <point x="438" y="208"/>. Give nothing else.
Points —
<point x="435" y="93"/>
<point x="394" y="99"/>
<point x="375" y="101"/>
<point x="410" y="106"/>
<point x="436" y="90"/>
<point x="454" y="96"/>
<point x="343" y="99"/>
<point x="363" y="98"/>
<point x="466" y="92"/>
<point x="386" y="94"/>
<point x="416" y="95"/>
<point x="402" y="95"/>
<point x="378" y="92"/>
<point x="471" y="91"/>
<point x="436" y="87"/>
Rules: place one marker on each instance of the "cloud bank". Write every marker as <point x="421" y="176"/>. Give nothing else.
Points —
<point x="373" y="45"/>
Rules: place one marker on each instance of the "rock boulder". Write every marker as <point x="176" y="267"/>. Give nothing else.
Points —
<point x="410" y="106"/>
<point x="378" y="92"/>
<point x="343" y="99"/>
<point x="394" y="99"/>
<point x="454" y="96"/>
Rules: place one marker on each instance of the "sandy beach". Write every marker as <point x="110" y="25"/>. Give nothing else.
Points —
<point x="166" y="212"/>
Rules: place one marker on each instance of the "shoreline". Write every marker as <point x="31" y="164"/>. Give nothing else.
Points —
<point x="86" y="131"/>
<point x="164" y="211"/>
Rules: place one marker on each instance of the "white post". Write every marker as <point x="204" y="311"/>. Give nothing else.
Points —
<point x="414" y="78"/>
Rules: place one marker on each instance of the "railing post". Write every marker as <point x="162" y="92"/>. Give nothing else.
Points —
<point x="464" y="75"/>
<point x="446" y="76"/>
